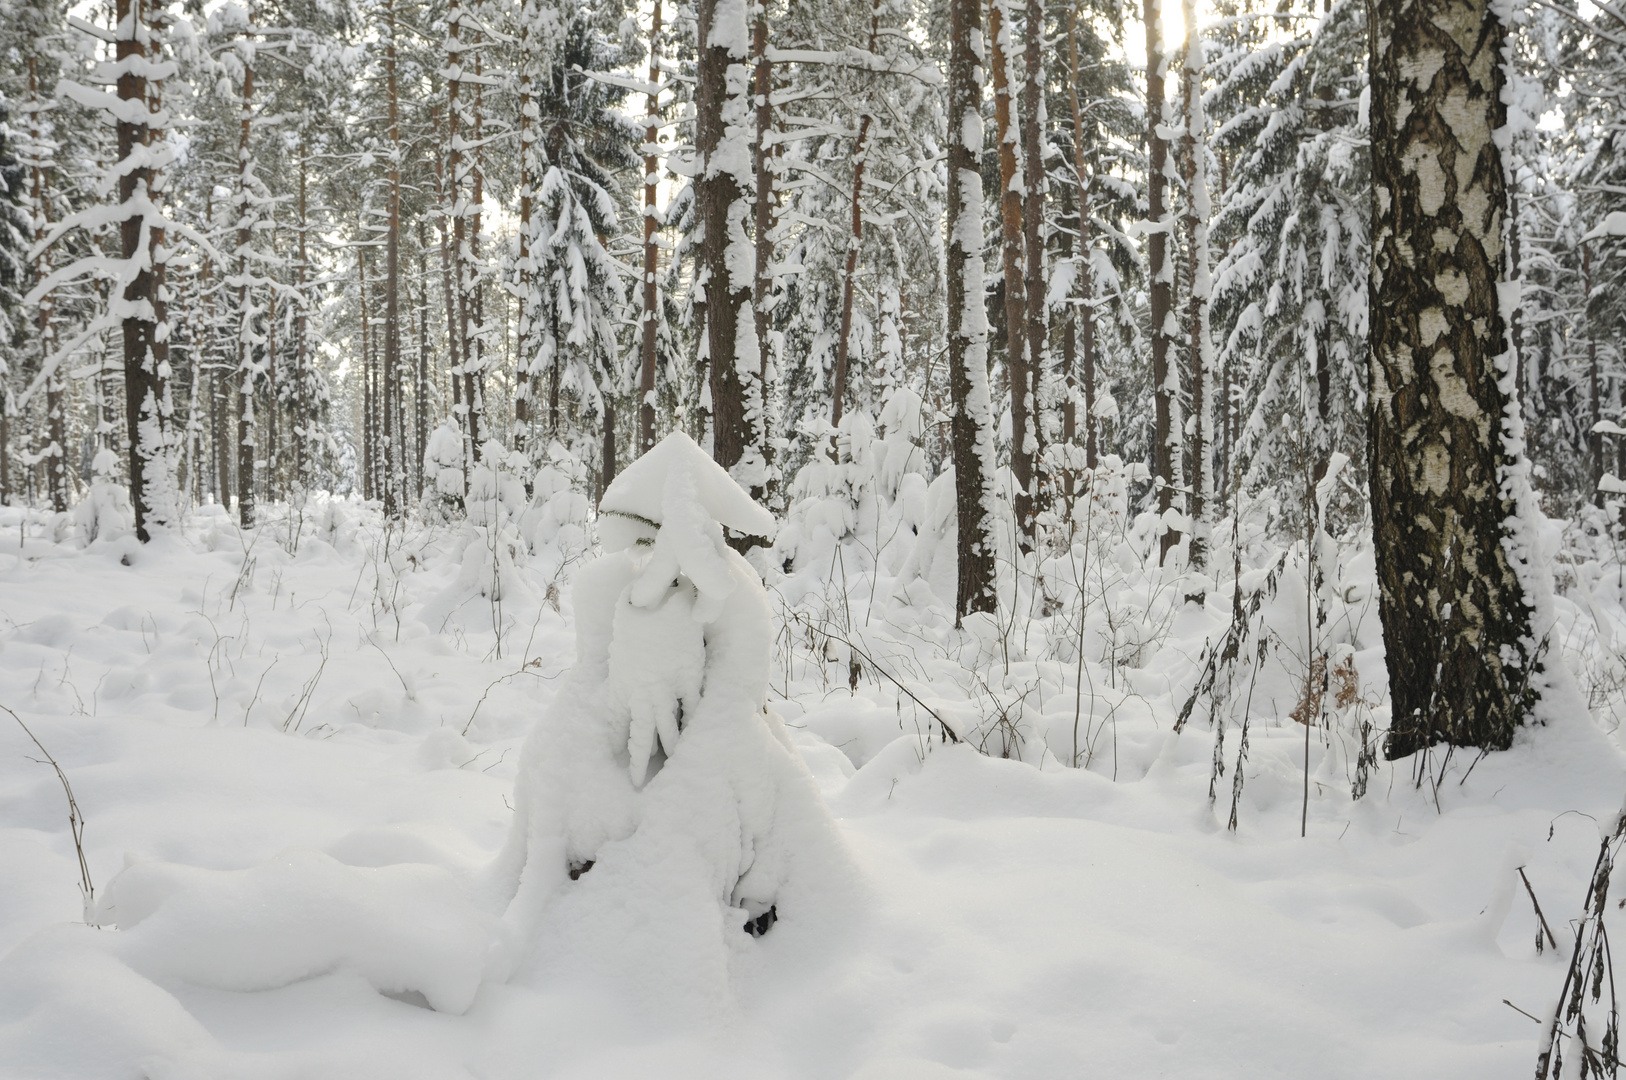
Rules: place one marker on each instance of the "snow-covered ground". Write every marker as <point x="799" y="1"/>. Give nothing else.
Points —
<point x="297" y="771"/>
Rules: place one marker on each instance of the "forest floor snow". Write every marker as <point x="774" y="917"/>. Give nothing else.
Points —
<point x="264" y="723"/>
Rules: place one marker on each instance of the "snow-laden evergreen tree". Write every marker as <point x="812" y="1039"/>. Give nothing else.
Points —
<point x="1289" y="294"/>
<point x="575" y="299"/>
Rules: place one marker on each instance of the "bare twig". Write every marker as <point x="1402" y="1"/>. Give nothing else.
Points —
<point x="76" y="820"/>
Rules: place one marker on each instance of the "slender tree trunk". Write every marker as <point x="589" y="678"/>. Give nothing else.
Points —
<point x="393" y="443"/>
<point x="302" y="403"/>
<point x="446" y="196"/>
<point x="1166" y="434"/>
<point x="1011" y="188"/>
<point x="1033" y="201"/>
<point x="272" y="438"/>
<point x="607" y="460"/>
<point x="972" y="425"/>
<point x="367" y="441"/>
<point x="246" y="442"/>
<point x="855" y="240"/>
<point x="651" y="297"/>
<point x="474" y="362"/>
<point x="56" y="472"/>
<point x="420" y="389"/>
<point x="1446" y="489"/>
<point x="1200" y="355"/>
<point x="1594" y="440"/>
<point x="766" y="202"/>
<point x="1085" y="274"/>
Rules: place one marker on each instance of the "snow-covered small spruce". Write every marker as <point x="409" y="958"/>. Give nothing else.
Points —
<point x="659" y="802"/>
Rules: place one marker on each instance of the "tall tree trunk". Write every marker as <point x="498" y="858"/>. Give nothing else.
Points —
<point x="971" y="428"/>
<point x="1200" y="355"/>
<point x="1594" y="440"/>
<point x="1085" y="274"/>
<point x="56" y="472"/>
<point x="525" y="269"/>
<point x="420" y="389"/>
<point x="650" y="327"/>
<point x="1033" y="200"/>
<point x="474" y="349"/>
<point x="272" y="439"/>
<point x="1011" y="190"/>
<point x="446" y="196"/>
<point x="145" y="332"/>
<point x="458" y="327"/>
<point x="302" y="404"/>
<point x="367" y="441"/>
<point x="393" y="443"/>
<point x="722" y="141"/>
<point x="766" y="203"/>
<point x="246" y="442"/>
<point x="1166" y="434"/>
<point x="1447" y="488"/>
<point x="855" y="240"/>
<point x="607" y="459"/>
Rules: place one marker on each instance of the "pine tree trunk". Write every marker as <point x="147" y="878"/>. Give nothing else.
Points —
<point x="1456" y="617"/>
<point x="393" y="443"/>
<point x="651" y="298"/>
<point x="971" y="428"/>
<point x="720" y="197"/>
<point x="1011" y="189"/>
<point x="146" y="350"/>
<point x="1166" y="435"/>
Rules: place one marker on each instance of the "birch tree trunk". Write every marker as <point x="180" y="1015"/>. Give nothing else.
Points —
<point x="1447" y="469"/>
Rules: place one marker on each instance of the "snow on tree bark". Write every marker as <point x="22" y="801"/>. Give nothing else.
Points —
<point x="1167" y="435"/>
<point x="1011" y="200"/>
<point x="971" y="429"/>
<point x="727" y="256"/>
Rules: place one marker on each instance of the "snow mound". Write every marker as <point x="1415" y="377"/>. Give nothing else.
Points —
<point x="404" y="928"/>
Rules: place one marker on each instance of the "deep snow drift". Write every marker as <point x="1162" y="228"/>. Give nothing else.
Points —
<point x="334" y="788"/>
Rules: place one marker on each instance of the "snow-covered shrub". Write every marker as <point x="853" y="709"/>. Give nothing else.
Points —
<point x="494" y="553"/>
<point x="556" y="526"/>
<point x="658" y="777"/>
<point x="443" y="466"/>
<point x="105" y="513"/>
